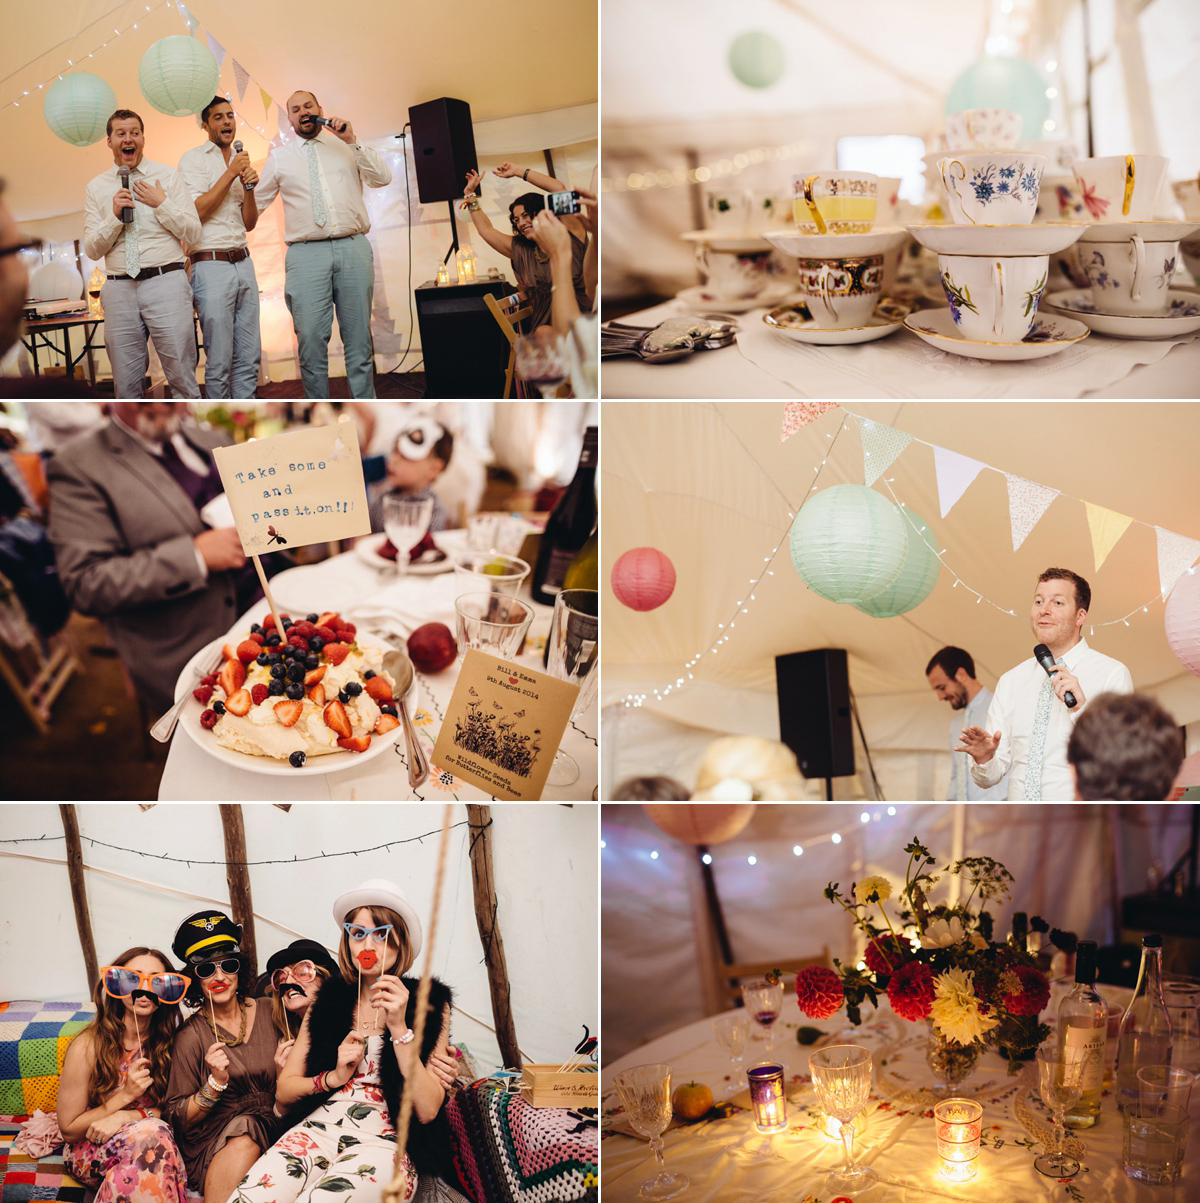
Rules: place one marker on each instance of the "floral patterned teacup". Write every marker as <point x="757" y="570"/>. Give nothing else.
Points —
<point x="834" y="202"/>
<point x="1059" y="200"/>
<point x="1121" y="187"/>
<point x="1131" y="276"/>
<point x="994" y="299"/>
<point x="842" y="293"/>
<point x="725" y="210"/>
<point x="983" y="129"/>
<point x="994" y="189"/>
<point x="733" y="275"/>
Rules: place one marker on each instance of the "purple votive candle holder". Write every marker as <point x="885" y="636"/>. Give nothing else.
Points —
<point x="766" y="1097"/>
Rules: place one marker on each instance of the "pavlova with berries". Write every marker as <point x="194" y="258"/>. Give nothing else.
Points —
<point x="309" y="690"/>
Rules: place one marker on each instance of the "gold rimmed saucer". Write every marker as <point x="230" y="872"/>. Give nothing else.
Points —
<point x="1048" y="336"/>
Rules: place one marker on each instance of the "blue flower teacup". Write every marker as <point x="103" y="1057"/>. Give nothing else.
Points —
<point x="1131" y="276"/>
<point x="993" y="299"/>
<point x="992" y="189"/>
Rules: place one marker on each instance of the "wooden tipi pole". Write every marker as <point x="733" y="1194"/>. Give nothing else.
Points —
<point x="237" y="874"/>
<point x="79" y="894"/>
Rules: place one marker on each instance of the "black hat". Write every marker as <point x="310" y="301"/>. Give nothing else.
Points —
<point x="302" y="950"/>
<point x="204" y="935"/>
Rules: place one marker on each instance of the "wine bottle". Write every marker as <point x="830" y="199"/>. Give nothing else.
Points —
<point x="584" y="572"/>
<point x="1145" y="1035"/>
<point x="1082" y="1034"/>
<point x="568" y="527"/>
<point x="1020" y="930"/>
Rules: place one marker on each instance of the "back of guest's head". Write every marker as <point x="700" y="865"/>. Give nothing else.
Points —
<point x="747" y="768"/>
<point x="650" y="789"/>
<point x="950" y="660"/>
<point x="1125" y="748"/>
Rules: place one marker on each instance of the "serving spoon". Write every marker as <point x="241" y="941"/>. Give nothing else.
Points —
<point x="399" y="667"/>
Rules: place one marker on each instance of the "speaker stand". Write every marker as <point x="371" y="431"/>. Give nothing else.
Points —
<point x="453" y="233"/>
<point x="828" y="789"/>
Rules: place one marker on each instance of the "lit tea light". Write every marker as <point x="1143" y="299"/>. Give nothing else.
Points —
<point x="959" y="1125"/>
<point x="766" y="1096"/>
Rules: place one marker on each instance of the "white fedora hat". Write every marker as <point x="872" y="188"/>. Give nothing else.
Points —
<point x="378" y="892"/>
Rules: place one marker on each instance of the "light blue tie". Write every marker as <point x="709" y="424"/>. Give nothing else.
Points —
<point x="132" y="254"/>
<point x="1037" y="741"/>
<point x="320" y="213"/>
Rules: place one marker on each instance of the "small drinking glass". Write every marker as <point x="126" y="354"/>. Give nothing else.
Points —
<point x="490" y="572"/>
<point x="764" y="1001"/>
<point x="1154" y="1140"/>
<point x="1183" y="1006"/>
<point x="1060" y="1080"/>
<point x="542" y="362"/>
<point x="841" y="1076"/>
<point x="1165" y="1085"/>
<point x="574" y="654"/>
<point x="406" y="520"/>
<point x="959" y="1126"/>
<point x="645" y="1092"/>
<point x="483" y="531"/>
<point x="491" y="622"/>
<point x="731" y="1032"/>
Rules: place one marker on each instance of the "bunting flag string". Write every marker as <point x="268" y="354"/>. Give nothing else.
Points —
<point x="798" y="414"/>
<point x="1027" y="502"/>
<point x="242" y="76"/>
<point x="188" y="18"/>
<point x="954" y="476"/>
<point x="881" y="445"/>
<point x="218" y="51"/>
<point x="1176" y="553"/>
<point x="1107" y="526"/>
<point x="266" y="99"/>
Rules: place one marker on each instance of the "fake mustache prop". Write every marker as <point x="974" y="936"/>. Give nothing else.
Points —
<point x="290" y="988"/>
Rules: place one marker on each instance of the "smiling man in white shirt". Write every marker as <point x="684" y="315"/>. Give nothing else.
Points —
<point x="147" y="294"/>
<point x="1029" y="722"/>
<point x="329" y="262"/>
<point x="223" y="281"/>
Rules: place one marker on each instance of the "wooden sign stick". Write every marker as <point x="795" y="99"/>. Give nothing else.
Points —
<point x="262" y="580"/>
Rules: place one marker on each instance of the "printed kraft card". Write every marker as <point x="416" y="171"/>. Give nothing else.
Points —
<point x="503" y="725"/>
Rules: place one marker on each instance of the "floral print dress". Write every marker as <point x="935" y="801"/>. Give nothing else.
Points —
<point x="140" y="1163"/>
<point x="347" y="1146"/>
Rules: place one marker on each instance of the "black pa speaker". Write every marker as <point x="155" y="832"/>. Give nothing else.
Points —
<point x="443" y="148"/>
<point x="814" y="711"/>
<point x="464" y="348"/>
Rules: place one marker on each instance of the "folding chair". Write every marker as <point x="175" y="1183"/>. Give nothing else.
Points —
<point x="509" y="321"/>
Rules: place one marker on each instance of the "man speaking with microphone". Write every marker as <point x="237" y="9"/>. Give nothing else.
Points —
<point x="220" y="178"/>
<point x="1036" y="704"/>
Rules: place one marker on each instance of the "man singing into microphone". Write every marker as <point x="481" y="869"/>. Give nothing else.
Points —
<point x="1030" y="719"/>
<point x="329" y="262"/>
<point x="220" y="178"/>
<point x="147" y="291"/>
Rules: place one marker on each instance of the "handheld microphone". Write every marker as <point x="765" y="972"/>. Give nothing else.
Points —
<point x="237" y="150"/>
<point x="318" y="120"/>
<point x="127" y="210"/>
<point x="1042" y="655"/>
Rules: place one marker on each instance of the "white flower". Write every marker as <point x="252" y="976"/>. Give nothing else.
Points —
<point x="873" y="889"/>
<point x="955" y="1011"/>
<point x="940" y="934"/>
<point x="978" y="942"/>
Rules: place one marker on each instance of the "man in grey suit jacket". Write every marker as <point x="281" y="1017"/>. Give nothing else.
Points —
<point x="131" y="546"/>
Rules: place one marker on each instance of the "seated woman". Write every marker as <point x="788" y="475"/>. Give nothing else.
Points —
<point x="114" y="1079"/>
<point x="296" y="974"/>
<point x="350" y="1063"/>
<point x="221" y="1096"/>
<point x="531" y="265"/>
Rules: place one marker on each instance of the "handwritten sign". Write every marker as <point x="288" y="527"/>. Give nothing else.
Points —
<point x="503" y="725"/>
<point x="302" y="487"/>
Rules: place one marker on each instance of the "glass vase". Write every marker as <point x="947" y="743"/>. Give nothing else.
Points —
<point x="952" y="1063"/>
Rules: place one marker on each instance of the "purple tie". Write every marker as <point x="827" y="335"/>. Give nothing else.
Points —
<point x="200" y="489"/>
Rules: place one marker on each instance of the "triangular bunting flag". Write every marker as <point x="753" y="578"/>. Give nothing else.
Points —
<point x="1027" y="502"/>
<point x="187" y="16"/>
<point x="266" y="99"/>
<point x="243" y="78"/>
<point x="1176" y="554"/>
<point x="798" y="414"/>
<point x="954" y="476"/>
<point x="881" y="445"/>
<point x="218" y="51"/>
<point x="1107" y="526"/>
<point x="285" y="128"/>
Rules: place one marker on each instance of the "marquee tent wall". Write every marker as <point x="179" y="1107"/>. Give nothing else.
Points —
<point x="713" y="487"/>
<point x="1072" y="866"/>
<point x="302" y="859"/>
<point x="528" y="72"/>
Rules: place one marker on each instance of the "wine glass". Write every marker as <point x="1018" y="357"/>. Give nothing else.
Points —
<point x="645" y="1092"/>
<point x="841" y="1076"/>
<point x="406" y="519"/>
<point x="764" y="1001"/>
<point x="574" y="653"/>
<point x="1060" y="1073"/>
<point x="542" y="361"/>
<point x="731" y="1032"/>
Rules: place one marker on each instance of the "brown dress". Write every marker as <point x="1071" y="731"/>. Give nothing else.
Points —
<point x="532" y="270"/>
<point x="247" y="1105"/>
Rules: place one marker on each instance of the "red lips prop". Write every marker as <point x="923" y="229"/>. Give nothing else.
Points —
<point x="367" y="958"/>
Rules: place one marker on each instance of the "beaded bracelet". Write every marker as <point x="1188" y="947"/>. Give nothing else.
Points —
<point x="319" y="1083"/>
<point x="219" y="1087"/>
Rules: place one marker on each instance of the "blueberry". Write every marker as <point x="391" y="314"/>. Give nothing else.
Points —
<point x="276" y="687"/>
<point x="353" y="688"/>
<point x="274" y="658"/>
<point x="297" y="759"/>
<point x="295" y="671"/>
<point x="311" y="661"/>
<point x="311" y="617"/>
<point x="262" y="659"/>
<point x="255" y="628"/>
<point x="343" y="696"/>
<point x="315" y="643"/>
<point x="219" y="707"/>
<point x="288" y="652"/>
<point x="273" y="640"/>
<point x="277" y="670"/>
<point x="368" y="674"/>
<point x="388" y="708"/>
<point x="295" y="691"/>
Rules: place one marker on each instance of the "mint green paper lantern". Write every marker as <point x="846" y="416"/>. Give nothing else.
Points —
<point x="1001" y="82"/>
<point x="78" y="106"/>
<point x="917" y="577"/>
<point x="178" y="76"/>
<point x="756" y="59"/>
<point x="848" y="543"/>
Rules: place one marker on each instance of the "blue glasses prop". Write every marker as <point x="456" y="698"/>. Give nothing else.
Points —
<point x="377" y="935"/>
<point x="120" y="982"/>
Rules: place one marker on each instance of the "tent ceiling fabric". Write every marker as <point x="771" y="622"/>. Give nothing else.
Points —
<point x="366" y="60"/>
<point x="711" y="486"/>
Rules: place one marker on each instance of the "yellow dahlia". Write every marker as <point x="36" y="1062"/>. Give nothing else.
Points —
<point x="955" y="1010"/>
<point x="873" y="889"/>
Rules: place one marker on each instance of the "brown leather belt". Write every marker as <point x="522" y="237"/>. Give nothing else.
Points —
<point x="235" y="256"/>
<point x="147" y="272"/>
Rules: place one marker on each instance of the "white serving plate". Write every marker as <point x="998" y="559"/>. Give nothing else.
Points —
<point x="1077" y="303"/>
<point x="936" y="327"/>
<point x="367" y="550"/>
<point x="837" y="246"/>
<point x="1039" y="238"/>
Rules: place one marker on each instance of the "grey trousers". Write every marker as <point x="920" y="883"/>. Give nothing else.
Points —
<point x="160" y="308"/>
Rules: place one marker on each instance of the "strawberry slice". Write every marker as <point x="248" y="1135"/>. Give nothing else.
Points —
<point x="356" y="743"/>
<point x="330" y="616"/>
<point x="337" y="719"/>
<point x="314" y="675"/>
<point x="268" y="623"/>
<point x="317" y="694"/>
<point x="248" y="650"/>
<point x="288" y="711"/>
<point x="335" y="653"/>
<point x="229" y="651"/>
<point x="239" y="703"/>
<point x="259" y="693"/>
<point x="232" y="676"/>
<point x="385" y="723"/>
<point x="378" y="689"/>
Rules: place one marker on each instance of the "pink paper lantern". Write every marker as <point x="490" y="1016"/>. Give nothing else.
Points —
<point x="643" y="578"/>
<point x="1181" y="620"/>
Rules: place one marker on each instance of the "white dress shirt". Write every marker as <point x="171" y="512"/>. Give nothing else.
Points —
<point x="1012" y="713"/>
<point x="972" y="715"/>
<point x="160" y="231"/>
<point x="342" y="170"/>
<point x="201" y="168"/>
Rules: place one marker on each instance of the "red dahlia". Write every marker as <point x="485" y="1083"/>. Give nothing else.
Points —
<point x="819" y="991"/>
<point x="1023" y="990"/>
<point x="910" y="991"/>
<point x="885" y="954"/>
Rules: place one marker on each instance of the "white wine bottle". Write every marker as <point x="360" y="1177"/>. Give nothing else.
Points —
<point x="1082" y="1032"/>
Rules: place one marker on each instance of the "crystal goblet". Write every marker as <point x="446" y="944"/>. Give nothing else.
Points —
<point x="1060" y="1073"/>
<point x="841" y="1075"/>
<point x="645" y="1092"/>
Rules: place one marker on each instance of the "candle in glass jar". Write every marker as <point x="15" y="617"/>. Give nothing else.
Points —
<point x="766" y="1097"/>
<point x="959" y="1125"/>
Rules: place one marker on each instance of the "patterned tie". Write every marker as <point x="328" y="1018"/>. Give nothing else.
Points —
<point x="132" y="255"/>
<point x="1037" y="741"/>
<point x="320" y="213"/>
<point x="962" y="768"/>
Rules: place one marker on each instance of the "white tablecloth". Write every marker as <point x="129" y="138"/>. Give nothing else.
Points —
<point x="721" y="1157"/>
<point x="376" y="600"/>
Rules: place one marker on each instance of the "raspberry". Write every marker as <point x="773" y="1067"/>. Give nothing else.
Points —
<point x="259" y="693"/>
<point x="348" y="631"/>
<point x="208" y="719"/>
<point x="202" y="694"/>
<point x="258" y="637"/>
<point x="326" y="634"/>
<point x="269" y="622"/>
<point x="298" y="641"/>
<point x="211" y="679"/>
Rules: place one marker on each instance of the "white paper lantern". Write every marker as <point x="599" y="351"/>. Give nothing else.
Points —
<point x="78" y="106"/>
<point x="1181" y="621"/>
<point x="178" y="76"/>
<point x="917" y="578"/>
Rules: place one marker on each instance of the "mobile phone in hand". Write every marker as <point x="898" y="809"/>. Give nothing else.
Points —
<point x="562" y="204"/>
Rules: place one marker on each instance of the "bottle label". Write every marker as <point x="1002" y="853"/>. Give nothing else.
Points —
<point x="556" y="569"/>
<point x="1087" y="1045"/>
